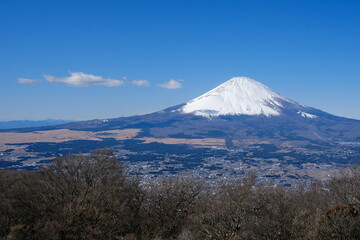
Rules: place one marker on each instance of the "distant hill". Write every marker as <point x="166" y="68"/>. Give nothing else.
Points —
<point x="29" y="123"/>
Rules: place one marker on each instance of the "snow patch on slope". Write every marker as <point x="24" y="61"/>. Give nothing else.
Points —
<point x="238" y="96"/>
<point x="306" y="115"/>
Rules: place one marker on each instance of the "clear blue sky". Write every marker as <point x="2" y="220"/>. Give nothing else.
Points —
<point x="308" y="51"/>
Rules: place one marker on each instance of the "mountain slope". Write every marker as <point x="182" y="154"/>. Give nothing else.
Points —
<point x="239" y="125"/>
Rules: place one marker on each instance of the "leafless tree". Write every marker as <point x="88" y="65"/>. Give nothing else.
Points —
<point x="229" y="213"/>
<point x="167" y="207"/>
<point x="82" y="197"/>
<point x="342" y="220"/>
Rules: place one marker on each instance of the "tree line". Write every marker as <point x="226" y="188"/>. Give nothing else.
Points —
<point x="92" y="197"/>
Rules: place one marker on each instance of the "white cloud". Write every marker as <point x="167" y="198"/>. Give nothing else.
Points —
<point x="171" y="84"/>
<point x="79" y="79"/>
<point x="26" y="81"/>
<point x="141" y="83"/>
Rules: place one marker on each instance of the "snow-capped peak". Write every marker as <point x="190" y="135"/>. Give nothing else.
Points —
<point x="237" y="96"/>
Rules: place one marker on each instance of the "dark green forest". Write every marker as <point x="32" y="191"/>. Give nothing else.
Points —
<point x="92" y="197"/>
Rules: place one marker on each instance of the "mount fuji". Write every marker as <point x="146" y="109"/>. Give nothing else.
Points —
<point x="238" y="96"/>
<point x="237" y="126"/>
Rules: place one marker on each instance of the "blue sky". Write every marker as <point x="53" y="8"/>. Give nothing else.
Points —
<point x="78" y="59"/>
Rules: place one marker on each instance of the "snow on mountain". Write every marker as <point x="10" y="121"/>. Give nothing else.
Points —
<point x="237" y="96"/>
<point x="306" y="115"/>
